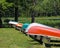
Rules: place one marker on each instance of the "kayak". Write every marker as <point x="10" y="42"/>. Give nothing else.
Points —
<point x="43" y="30"/>
<point x="13" y="22"/>
<point x="19" y="25"/>
<point x="25" y="25"/>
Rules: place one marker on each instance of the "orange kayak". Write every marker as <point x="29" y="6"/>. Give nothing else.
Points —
<point x="19" y="25"/>
<point x="39" y="29"/>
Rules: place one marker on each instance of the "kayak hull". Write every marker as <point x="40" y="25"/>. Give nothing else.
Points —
<point x="43" y="30"/>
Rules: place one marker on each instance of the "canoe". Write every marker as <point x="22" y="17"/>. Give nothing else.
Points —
<point x="43" y="30"/>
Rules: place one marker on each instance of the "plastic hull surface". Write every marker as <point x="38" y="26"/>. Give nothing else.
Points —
<point x="38" y="29"/>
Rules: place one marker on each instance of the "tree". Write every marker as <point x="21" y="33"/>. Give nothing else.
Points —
<point x="0" y="17"/>
<point x="16" y="8"/>
<point x="42" y="7"/>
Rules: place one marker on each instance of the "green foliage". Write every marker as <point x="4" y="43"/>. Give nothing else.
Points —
<point x="6" y="5"/>
<point x="39" y="7"/>
<point x="9" y="1"/>
<point x="2" y="1"/>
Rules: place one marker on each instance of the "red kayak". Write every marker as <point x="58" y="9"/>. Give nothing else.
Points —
<point x="39" y="29"/>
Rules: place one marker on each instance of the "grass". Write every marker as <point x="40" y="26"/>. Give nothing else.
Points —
<point x="11" y="38"/>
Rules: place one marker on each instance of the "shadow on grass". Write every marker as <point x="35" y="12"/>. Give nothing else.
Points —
<point x="55" y="41"/>
<point x="48" y="45"/>
<point x="33" y="42"/>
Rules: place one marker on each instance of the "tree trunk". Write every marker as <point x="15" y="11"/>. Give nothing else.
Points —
<point x="0" y="22"/>
<point x="16" y="13"/>
<point x="32" y="16"/>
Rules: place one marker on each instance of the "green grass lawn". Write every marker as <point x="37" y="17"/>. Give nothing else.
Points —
<point x="11" y="38"/>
